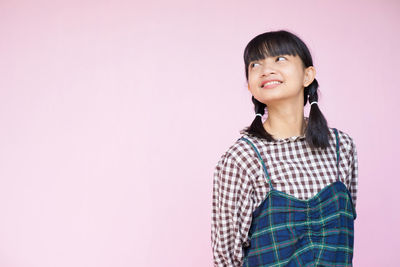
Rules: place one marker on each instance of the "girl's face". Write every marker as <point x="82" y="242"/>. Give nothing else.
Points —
<point x="288" y="70"/>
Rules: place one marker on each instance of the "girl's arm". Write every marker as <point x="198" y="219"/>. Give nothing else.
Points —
<point x="353" y="173"/>
<point x="231" y="212"/>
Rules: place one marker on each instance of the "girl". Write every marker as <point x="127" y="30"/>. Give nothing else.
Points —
<point x="284" y="193"/>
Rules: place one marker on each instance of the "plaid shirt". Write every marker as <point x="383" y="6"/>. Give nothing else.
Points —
<point x="239" y="184"/>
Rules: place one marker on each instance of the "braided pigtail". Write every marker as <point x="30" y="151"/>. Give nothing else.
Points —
<point x="257" y="128"/>
<point x="317" y="131"/>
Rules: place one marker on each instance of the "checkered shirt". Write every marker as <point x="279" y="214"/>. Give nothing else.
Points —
<point x="239" y="184"/>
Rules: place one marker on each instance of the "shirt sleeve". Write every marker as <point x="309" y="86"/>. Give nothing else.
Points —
<point x="353" y="172"/>
<point x="231" y="212"/>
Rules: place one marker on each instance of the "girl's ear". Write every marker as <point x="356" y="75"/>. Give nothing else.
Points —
<point x="309" y="76"/>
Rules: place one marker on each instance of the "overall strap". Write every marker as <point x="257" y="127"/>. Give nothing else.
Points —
<point x="337" y="151"/>
<point x="261" y="160"/>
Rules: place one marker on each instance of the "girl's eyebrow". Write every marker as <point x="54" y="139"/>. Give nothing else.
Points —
<point x="258" y="60"/>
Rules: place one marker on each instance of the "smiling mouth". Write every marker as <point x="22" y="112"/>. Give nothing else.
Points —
<point x="271" y="84"/>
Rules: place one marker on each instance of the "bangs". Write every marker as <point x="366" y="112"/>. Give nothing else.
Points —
<point x="270" y="45"/>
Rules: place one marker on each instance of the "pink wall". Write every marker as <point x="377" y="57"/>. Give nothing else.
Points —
<point x="113" y="115"/>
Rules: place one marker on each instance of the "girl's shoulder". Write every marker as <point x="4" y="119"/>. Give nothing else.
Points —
<point x="239" y="152"/>
<point x="346" y="141"/>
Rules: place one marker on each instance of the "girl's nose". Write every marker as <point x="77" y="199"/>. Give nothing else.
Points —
<point x="268" y="69"/>
<point x="268" y="66"/>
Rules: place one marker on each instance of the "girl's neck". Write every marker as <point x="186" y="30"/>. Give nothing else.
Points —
<point x="282" y="127"/>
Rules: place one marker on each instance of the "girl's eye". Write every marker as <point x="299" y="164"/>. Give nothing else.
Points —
<point x="253" y="64"/>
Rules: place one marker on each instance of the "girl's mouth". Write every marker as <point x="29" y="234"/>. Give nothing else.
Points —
<point x="271" y="85"/>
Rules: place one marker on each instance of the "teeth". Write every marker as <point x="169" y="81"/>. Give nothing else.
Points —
<point x="273" y="82"/>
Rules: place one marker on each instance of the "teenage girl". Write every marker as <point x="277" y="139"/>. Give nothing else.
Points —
<point x="284" y="193"/>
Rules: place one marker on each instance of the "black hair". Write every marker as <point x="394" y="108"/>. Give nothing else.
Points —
<point x="276" y="43"/>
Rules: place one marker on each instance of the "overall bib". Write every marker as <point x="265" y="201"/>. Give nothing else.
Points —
<point x="288" y="231"/>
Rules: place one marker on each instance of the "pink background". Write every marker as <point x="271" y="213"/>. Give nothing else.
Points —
<point x="113" y="115"/>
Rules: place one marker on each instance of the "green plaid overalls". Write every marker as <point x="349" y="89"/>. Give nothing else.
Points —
<point x="288" y="231"/>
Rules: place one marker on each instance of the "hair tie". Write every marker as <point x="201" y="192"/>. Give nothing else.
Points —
<point x="259" y="114"/>
<point x="315" y="102"/>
